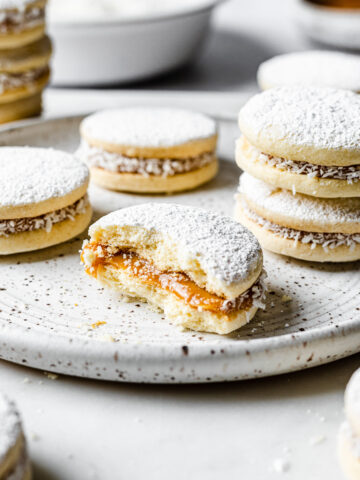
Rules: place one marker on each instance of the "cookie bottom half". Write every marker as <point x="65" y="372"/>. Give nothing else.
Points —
<point x="19" y="109"/>
<point x="295" y="182"/>
<point x="24" y="37"/>
<point x="175" y="310"/>
<point x="38" y="239"/>
<point x="290" y="247"/>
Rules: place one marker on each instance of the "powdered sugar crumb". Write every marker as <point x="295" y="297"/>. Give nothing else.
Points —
<point x="334" y="211"/>
<point x="314" y="67"/>
<point x="223" y="247"/>
<point x="317" y="440"/>
<point x="148" y="127"/>
<point x="32" y="175"/>
<point x="322" y="118"/>
<point x="281" y="465"/>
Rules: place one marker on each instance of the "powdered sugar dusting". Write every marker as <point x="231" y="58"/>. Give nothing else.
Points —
<point x="300" y="207"/>
<point x="10" y="426"/>
<point x="148" y="127"/>
<point x="315" y="67"/>
<point x="322" y="118"/>
<point x="32" y="175"/>
<point x="223" y="247"/>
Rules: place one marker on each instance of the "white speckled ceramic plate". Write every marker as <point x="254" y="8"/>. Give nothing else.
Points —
<point x="54" y="317"/>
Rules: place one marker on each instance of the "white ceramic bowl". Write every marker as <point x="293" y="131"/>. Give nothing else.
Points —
<point x="121" y="51"/>
<point x="335" y="27"/>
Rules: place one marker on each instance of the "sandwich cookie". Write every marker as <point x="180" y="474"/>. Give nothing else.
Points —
<point x="203" y="270"/>
<point x="43" y="198"/>
<point x="300" y="226"/>
<point x="21" y="22"/>
<point x="24" y="73"/>
<point x="349" y="435"/>
<point x="149" y="150"/>
<point x="315" y="67"/>
<point x="304" y="139"/>
<point x="14" y="460"/>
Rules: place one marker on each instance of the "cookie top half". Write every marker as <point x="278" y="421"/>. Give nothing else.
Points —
<point x="311" y="124"/>
<point x="151" y="132"/>
<point x="315" y="67"/>
<point x="204" y="243"/>
<point x="35" y="181"/>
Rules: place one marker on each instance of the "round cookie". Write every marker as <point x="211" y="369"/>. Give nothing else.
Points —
<point x="43" y="198"/>
<point x="300" y="226"/>
<point x="303" y="139"/>
<point x="315" y="67"/>
<point x="22" y="22"/>
<point x="14" y="461"/>
<point x="24" y="71"/>
<point x="149" y="150"/>
<point x="202" y="269"/>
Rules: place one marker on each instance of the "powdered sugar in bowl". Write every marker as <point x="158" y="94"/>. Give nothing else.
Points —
<point x="107" y="42"/>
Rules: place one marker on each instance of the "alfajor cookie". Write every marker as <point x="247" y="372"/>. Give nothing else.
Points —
<point x="304" y="139"/>
<point x="43" y="199"/>
<point x="300" y="226"/>
<point x="349" y="435"/>
<point x="149" y="150"/>
<point x="315" y="67"/>
<point x="14" y="460"/>
<point x="203" y="270"/>
<point x="24" y="73"/>
<point x="21" y="22"/>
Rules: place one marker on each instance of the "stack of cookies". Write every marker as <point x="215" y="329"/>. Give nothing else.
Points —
<point x="300" y="150"/>
<point x="25" y="52"/>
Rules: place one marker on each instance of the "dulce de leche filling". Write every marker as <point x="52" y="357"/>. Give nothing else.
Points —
<point x="176" y="283"/>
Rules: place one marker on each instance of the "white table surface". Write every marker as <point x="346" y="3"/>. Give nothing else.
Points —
<point x="79" y="429"/>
